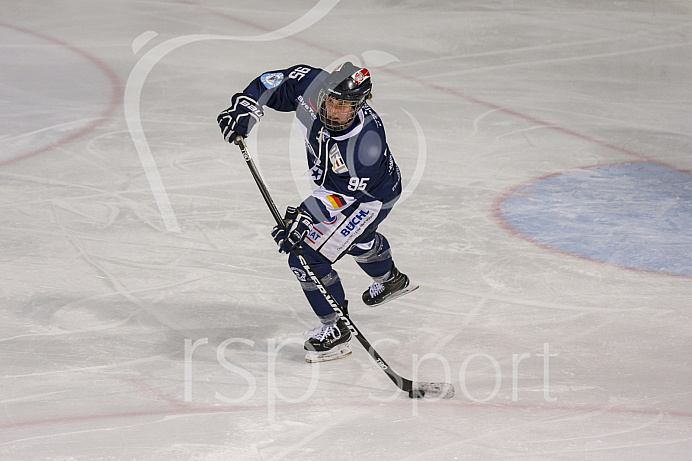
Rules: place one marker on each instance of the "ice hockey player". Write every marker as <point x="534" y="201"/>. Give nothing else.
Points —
<point x="357" y="181"/>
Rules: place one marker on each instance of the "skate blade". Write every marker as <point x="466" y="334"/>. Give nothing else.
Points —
<point x="398" y="294"/>
<point x="338" y="352"/>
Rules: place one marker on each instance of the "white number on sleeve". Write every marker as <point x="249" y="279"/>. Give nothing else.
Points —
<point x="299" y="72"/>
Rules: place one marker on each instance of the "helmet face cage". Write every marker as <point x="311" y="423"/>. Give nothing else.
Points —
<point x="337" y="114"/>
<point x="342" y="95"/>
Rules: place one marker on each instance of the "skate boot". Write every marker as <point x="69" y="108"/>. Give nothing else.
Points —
<point x="397" y="285"/>
<point x="330" y="342"/>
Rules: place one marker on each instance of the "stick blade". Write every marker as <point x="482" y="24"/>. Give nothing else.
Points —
<point x="431" y="390"/>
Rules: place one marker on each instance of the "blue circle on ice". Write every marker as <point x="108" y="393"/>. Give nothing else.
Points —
<point x="637" y="215"/>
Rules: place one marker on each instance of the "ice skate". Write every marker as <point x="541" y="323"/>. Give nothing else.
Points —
<point x="380" y="293"/>
<point x="330" y="342"/>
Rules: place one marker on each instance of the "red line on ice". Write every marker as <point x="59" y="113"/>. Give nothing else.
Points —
<point x="116" y="96"/>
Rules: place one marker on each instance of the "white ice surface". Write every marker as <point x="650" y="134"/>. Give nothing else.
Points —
<point x="102" y="300"/>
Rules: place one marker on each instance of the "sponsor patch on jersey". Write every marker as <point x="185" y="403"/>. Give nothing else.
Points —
<point x="338" y="164"/>
<point x="272" y="79"/>
<point x="314" y="235"/>
<point x="307" y="107"/>
<point x="337" y="201"/>
<point x="339" y="236"/>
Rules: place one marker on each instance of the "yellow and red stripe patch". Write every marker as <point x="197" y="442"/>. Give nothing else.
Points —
<point x="337" y="201"/>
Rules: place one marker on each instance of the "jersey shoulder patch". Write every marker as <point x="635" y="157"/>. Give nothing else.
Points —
<point x="272" y="79"/>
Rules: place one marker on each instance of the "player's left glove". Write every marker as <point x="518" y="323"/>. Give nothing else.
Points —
<point x="298" y="224"/>
<point x="239" y="119"/>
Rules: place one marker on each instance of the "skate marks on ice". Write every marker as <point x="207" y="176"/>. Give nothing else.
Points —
<point x="50" y="108"/>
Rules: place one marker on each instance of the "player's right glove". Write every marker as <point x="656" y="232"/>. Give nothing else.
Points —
<point x="239" y="119"/>
<point x="298" y="224"/>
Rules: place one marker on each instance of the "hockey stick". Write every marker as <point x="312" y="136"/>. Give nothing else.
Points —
<point x="415" y="390"/>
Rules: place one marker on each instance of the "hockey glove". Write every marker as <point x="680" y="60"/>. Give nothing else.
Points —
<point x="298" y="224"/>
<point x="239" y="119"/>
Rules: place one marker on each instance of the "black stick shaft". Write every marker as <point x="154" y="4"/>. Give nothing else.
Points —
<point x="260" y="183"/>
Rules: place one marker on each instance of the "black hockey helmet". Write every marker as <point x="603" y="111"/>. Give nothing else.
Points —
<point x="347" y="88"/>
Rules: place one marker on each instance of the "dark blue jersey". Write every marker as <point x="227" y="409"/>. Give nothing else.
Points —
<point x="354" y="165"/>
